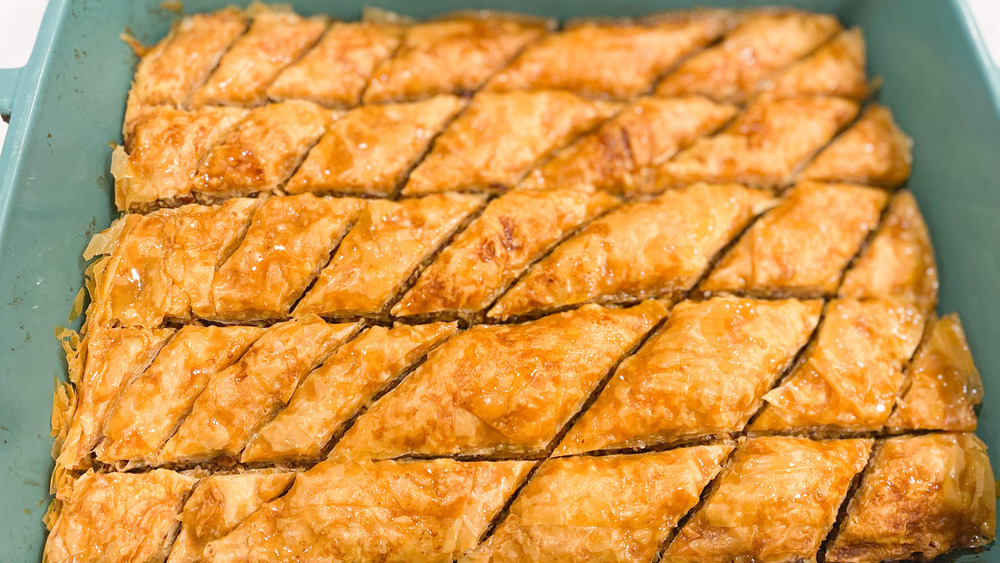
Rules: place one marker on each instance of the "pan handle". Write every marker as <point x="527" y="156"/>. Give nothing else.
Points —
<point x="9" y="78"/>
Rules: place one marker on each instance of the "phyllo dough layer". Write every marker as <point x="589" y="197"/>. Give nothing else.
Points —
<point x="776" y="501"/>
<point x="703" y="374"/>
<point x="640" y="250"/>
<point x="500" y="390"/>
<point x="375" y="511"/>
<point x="922" y="496"/>
<point x="612" y="508"/>
<point x="611" y="58"/>
<point x="835" y="69"/>
<point x="119" y="517"/>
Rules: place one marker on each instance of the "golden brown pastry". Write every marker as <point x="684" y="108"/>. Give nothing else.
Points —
<point x="764" y="42"/>
<point x="169" y="71"/>
<point x="764" y="146"/>
<point x="610" y="508"/>
<point x="286" y="245"/>
<point x="330" y="395"/>
<point x="775" y="502"/>
<point x="802" y="246"/>
<point x="640" y="250"/>
<point x="240" y="399"/>
<point x="113" y="358"/>
<point x="485" y="258"/>
<point x="944" y="384"/>
<point x="617" y="59"/>
<point x="166" y="146"/>
<point x="873" y="151"/>
<point x="220" y="503"/>
<point x="703" y="374"/>
<point x="835" y="69"/>
<point x="337" y="69"/>
<point x="452" y="55"/>
<point x="152" y="407"/>
<point x="921" y="497"/>
<point x="261" y="153"/>
<point x="276" y="37"/>
<point x="370" y="149"/>
<point x="851" y="374"/>
<point x="385" y="246"/>
<point x="619" y="156"/>
<point x="375" y="511"/>
<point x="500" y="389"/>
<point x="119" y="517"/>
<point x="500" y="137"/>
<point x="899" y="260"/>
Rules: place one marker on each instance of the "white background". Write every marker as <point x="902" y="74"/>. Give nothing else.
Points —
<point x="20" y="20"/>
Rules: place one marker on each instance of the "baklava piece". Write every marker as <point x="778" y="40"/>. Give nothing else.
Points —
<point x="237" y="401"/>
<point x="922" y="496"/>
<point x="873" y="151"/>
<point x="500" y="389"/>
<point x="370" y="149"/>
<point x="166" y="146"/>
<point x="851" y="374"/>
<point x="944" y="384"/>
<point x="386" y="245"/>
<point x="611" y="508"/>
<point x="153" y="406"/>
<point x="287" y="244"/>
<point x="260" y="154"/>
<point x="276" y="38"/>
<point x="218" y="504"/>
<point x="113" y="357"/>
<point x="616" y="59"/>
<point x="119" y="517"/>
<point x="835" y="69"/>
<point x="802" y="245"/>
<point x="620" y="155"/>
<point x="485" y="258"/>
<point x="375" y="511"/>
<point x="170" y="71"/>
<point x="330" y="395"/>
<point x="776" y="501"/>
<point x="337" y="69"/>
<point x="640" y="250"/>
<point x="764" y="146"/>
<point x="452" y="55"/>
<point x="899" y="260"/>
<point x="703" y="375"/>
<point x="765" y="41"/>
<point x="500" y="137"/>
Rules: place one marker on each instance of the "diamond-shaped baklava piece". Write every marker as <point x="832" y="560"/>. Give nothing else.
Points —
<point x="376" y="511"/>
<point x="387" y="243"/>
<point x="611" y="58"/>
<point x="370" y="149"/>
<point x="620" y="155"/>
<point x="922" y="496"/>
<point x="703" y="374"/>
<point x="802" y="245"/>
<point x="852" y="372"/>
<point x="835" y="69"/>
<point x="500" y="390"/>
<point x="609" y="508"/>
<point x="500" y="137"/>
<point x="640" y="250"/>
<point x="331" y="394"/>
<point x="239" y="400"/>
<point x="776" y="501"/>
<point x="452" y="55"/>
<point x="276" y="37"/>
<point x="485" y="258"/>
<point x="765" y="41"/>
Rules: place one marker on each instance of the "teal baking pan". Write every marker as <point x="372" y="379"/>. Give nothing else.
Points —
<point x="67" y="105"/>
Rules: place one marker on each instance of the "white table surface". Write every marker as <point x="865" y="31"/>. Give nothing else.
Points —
<point x="21" y="19"/>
